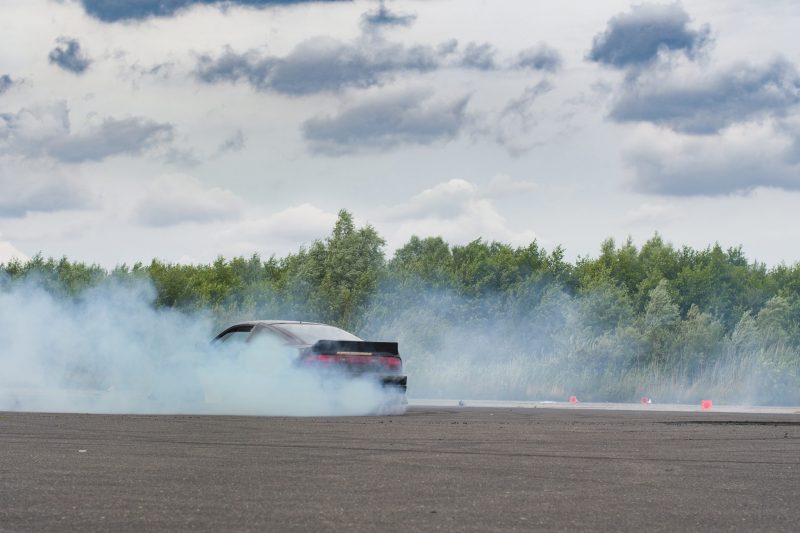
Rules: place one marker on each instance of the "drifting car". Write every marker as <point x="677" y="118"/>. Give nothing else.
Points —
<point x="328" y="348"/>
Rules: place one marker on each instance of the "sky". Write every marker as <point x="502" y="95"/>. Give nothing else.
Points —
<point x="188" y="129"/>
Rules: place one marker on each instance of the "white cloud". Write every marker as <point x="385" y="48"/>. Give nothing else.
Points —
<point x="9" y="253"/>
<point x="46" y="130"/>
<point x="30" y="129"/>
<point x="295" y="225"/>
<point x="35" y="186"/>
<point x="504" y="185"/>
<point x="177" y="199"/>
<point x="458" y="211"/>
<point x="444" y="200"/>
<point x="653" y="214"/>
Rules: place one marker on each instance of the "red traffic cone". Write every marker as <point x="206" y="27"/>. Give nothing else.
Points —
<point x="706" y="405"/>
<point x="573" y="399"/>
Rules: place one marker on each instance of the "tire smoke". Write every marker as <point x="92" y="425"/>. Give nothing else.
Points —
<point x="109" y="350"/>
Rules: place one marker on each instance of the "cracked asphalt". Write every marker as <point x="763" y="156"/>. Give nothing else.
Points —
<point x="435" y="468"/>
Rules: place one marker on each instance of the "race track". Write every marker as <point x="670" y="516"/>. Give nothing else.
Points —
<point x="435" y="468"/>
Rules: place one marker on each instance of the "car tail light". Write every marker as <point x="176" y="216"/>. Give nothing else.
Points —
<point x="319" y="358"/>
<point x="392" y="363"/>
<point x="388" y="362"/>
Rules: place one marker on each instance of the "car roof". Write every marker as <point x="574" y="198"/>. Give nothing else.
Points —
<point x="270" y="323"/>
<point x="274" y="322"/>
<point x="250" y="324"/>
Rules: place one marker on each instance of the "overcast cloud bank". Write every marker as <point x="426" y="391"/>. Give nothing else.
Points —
<point x="695" y="103"/>
<point x="717" y="129"/>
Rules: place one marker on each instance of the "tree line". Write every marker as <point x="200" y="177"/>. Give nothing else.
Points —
<point x="494" y="320"/>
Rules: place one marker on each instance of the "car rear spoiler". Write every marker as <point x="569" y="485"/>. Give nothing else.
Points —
<point x="354" y="347"/>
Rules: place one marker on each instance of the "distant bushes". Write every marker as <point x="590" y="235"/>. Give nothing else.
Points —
<point x="488" y="319"/>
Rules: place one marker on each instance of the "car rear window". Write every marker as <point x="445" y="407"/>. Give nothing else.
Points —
<point x="311" y="333"/>
<point x="236" y="335"/>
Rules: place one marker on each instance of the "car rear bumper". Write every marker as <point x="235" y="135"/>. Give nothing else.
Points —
<point x="397" y="382"/>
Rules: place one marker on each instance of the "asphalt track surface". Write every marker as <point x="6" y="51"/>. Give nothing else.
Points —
<point x="435" y="468"/>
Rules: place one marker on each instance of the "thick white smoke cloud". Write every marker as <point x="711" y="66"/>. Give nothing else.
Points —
<point x="547" y="345"/>
<point x="110" y="351"/>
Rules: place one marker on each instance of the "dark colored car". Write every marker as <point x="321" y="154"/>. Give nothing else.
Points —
<point x="330" y="348"/>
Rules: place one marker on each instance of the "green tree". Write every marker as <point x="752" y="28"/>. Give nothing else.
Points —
<point x="335" y="278"/>
<point x="659" y="323"/>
